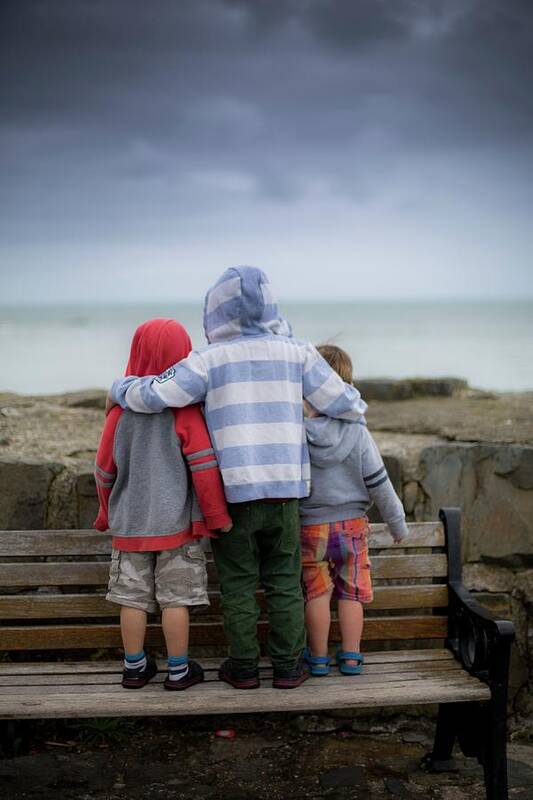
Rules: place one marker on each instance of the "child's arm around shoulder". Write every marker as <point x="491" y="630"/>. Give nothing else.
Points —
<point x="183" y="384"/>
<point x="380" y="488"/>
<point x="326" y="391"/>
<point x="105" y="470"/>
<point x="200" y="456"/>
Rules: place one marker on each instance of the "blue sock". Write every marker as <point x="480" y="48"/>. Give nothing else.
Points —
<point x="178" y="667"/>
<point x="135" y="660"/>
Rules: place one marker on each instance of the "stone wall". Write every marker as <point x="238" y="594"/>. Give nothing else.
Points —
<point x="475" y="453"/>
<point x="493" y="485"/>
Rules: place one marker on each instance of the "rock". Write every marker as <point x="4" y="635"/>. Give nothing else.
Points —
<point x="505" y="419"/>
<point x="9" y="411"/>
<point x="497" y="517"/>
<point x="516" y="464"/>
<point x="520" y="774"/>
<point x="316" y="724"/>
<point x="497" y="602"/>
<point x="344" y="776"/>
<point x="410" y="496"/>
<point x="488" y="578"/>
<point x="524" y="703"/>
<point x="397" y="788"/>
<point x="389" y="390"/>
<point x="454" y="793"/>
<point x="87" y="497"/>
<point x="406" y="448"/>
<point x="90" y="398"/>
<point x="62" y="501"/>
<point x="417" y="737"/>
<point x="24" y="487"/>
<point x="523" y="590"/>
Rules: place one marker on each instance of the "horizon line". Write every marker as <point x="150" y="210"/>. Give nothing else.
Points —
<point x="286" y="301"/>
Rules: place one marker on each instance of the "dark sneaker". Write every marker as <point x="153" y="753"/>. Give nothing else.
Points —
<point x="194" y="675"/>
<point x="237" y="676"/>
<point x="137" y="678"/>
<point x="290" y="678"/>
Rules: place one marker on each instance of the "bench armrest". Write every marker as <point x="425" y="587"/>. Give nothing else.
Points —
<point x="479" y="640"/>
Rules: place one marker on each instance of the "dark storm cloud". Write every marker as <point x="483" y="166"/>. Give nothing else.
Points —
<point x="66" y="60"/>
<point x="122" y="118"/>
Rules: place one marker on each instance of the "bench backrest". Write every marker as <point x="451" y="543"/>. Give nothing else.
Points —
<point x="52" y="593"/>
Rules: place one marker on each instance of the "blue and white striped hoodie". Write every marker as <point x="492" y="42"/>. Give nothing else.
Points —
<point x="253" y="377"/>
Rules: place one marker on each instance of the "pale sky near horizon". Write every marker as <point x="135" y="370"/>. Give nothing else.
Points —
<point x="351" y="148"/>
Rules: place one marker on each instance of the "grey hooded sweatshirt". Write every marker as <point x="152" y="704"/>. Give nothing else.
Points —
<point x="348" y="476"/>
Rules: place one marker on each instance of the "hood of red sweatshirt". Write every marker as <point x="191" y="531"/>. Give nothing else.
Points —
<point x="157" y="345"/>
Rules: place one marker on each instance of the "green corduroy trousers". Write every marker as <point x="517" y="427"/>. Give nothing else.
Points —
<point x="263" y="548"/>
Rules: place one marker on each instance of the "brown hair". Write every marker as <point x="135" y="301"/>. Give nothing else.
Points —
<point x="338" y="359"/>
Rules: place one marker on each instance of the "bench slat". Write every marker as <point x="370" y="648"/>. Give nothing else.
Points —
<point x="67" y="606"/>
<point x="384" y="657"/>
<point x="386" y="671"/>
<point x="215" y="698"/>
<point x="89" y="542"/>
<point x="58" y="637"/>
<point x="87" y="573"/>
<point x="96" y="686"/>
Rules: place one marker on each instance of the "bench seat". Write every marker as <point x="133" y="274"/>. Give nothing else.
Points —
<point x="426" y="641"/>
<point x="90" y="689"/>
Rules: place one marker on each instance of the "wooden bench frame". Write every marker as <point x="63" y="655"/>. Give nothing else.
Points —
<point x="472" y="670"/>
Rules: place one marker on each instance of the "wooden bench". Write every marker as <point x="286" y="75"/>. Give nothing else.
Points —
<point x="427" y="641"/>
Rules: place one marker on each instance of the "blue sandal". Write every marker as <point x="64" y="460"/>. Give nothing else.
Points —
<point x="318" y="665"/>
<point x="349" y="669"/>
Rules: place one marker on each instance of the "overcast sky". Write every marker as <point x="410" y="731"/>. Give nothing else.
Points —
<point x="352" y="148"/>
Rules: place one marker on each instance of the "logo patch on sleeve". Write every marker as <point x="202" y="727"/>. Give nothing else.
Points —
<point x="166" y="375"/>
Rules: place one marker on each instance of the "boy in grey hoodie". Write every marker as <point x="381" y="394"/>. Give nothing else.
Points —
<point x="347" y="476"/>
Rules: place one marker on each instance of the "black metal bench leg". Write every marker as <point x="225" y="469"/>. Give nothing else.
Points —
<point x="440" y="759"/>
<point x="495" y="750"/>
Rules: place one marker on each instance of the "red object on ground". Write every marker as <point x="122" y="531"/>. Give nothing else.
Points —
<point x="228" y="734"/>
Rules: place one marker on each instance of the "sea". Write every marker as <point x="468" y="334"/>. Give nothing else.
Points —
<point x="53" y="349"/>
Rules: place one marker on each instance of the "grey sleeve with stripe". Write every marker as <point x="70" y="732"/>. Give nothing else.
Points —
<point x="381" y="490"/>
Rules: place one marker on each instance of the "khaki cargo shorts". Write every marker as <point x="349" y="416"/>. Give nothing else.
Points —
<point x="166" y="579"/>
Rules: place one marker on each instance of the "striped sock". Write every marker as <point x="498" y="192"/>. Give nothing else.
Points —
<point x="135" y="660"/>
<point x="178" y="667"/>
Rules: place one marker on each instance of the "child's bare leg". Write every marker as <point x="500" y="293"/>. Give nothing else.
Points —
<point x="175" y="623"/>
<point x="350" y="613"/>
<point x="133" y="628"/>
<point x="317" y="622"/>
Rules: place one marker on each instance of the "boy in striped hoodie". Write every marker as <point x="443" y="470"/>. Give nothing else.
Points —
<point x="253" y="377"/>
<point x="160" y="492"/>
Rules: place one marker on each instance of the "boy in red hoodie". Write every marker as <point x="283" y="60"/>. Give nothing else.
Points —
<point x="160" y="492"/>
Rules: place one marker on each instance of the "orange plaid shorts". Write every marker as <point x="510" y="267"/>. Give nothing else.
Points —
<point x="335" y="559"/>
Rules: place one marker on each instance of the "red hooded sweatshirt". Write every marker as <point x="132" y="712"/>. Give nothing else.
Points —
<point x="156" y="475"/>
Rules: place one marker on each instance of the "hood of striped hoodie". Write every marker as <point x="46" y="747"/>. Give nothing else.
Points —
<point x="330" y="441"/>
<point x="241" y="303"/>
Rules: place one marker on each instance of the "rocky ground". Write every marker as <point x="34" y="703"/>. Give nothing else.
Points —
<point x="67" y="426"/>
<point x="273" y="759"/>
